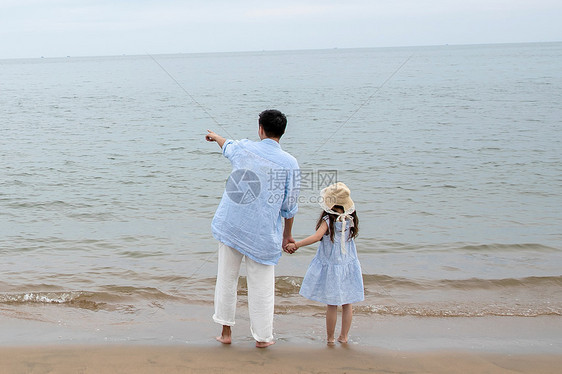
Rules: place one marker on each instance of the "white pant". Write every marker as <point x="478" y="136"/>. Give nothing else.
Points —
<point x="261" y="292"/>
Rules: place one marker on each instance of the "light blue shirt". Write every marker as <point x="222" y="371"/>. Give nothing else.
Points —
<point x="262" y="188"/>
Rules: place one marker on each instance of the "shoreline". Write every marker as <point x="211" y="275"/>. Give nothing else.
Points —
<point x="191" y="326"/>
<point x="276" y="359"/>
<point x="181" y="340"/>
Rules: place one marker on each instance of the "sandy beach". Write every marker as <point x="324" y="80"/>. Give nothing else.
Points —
<point x="278" y="359"/>
<point x="382" y="345"/>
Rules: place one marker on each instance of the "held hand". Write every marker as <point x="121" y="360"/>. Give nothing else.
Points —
<point x="291" y="248"/>
<point x="286" y="240"/>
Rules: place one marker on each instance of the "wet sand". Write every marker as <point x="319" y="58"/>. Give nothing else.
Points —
<point x="276" y="359"/>
<point x="181" y="340"/>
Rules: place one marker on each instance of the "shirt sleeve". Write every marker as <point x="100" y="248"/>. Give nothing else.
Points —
<point x="290" y="206"/>
<point x="228" y="148"/>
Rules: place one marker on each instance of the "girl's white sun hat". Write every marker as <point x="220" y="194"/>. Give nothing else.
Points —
<point x="337" y="194"/>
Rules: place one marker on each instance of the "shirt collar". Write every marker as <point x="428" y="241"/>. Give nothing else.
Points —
<point x="271" y="142"/>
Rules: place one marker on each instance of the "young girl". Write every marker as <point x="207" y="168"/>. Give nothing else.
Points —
<point x="334" y="275"/>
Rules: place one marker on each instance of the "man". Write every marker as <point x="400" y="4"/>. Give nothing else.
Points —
<point x="260" y="194"/>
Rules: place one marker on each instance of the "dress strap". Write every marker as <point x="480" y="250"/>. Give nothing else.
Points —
<point x="343" y="217"/>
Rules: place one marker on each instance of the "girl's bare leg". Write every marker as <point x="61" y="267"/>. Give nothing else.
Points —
<point x="346" y="317"/>
<point x="331" y="319"/>
<point x="226" y="335"/>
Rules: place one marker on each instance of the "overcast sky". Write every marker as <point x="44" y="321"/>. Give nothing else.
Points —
<point x="51" y="28"/>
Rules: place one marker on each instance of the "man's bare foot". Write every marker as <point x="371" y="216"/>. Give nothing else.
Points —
<point x="224" y="339"/>
<point x="226" y="335"/>
<point x="264" y="344"/>
<point x="341" y="339"/>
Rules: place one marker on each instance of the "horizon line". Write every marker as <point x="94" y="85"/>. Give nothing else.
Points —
<point x="275" y="50"/>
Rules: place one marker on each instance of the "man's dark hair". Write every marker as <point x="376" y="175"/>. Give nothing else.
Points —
<point x="273" y="123"/>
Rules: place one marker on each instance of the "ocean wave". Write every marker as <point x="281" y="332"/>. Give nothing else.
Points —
<point x="46" y="205"/>
<point x="112" y="298"/>
<point x="384" y="295"/>
<point x="508" y="247"/>
<point x="368" y="243"/>
<point x="287" y="285"/>
<point x="462" y="284"/>
<point x="95" y="302"/>
<point x="80" y="299"/>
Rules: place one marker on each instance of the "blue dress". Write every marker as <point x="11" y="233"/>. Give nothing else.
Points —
<point x="334" y="278"/>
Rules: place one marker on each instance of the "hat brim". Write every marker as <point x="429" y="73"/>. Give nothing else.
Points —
<point x="348" y="206"/>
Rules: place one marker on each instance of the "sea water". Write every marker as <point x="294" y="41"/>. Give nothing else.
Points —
<point x="452" y="153"/>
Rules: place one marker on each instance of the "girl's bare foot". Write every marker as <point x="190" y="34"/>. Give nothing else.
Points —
<point x="264" y="344"/>
<point x="341" y="339"/>
<point x="331" y="342"/>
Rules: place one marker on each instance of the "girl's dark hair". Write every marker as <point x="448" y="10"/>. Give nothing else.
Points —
<point x="353" y="231"/>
